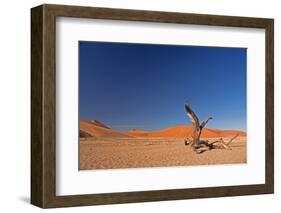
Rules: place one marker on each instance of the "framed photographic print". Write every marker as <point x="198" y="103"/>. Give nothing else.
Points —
<point x="136" y="106"/>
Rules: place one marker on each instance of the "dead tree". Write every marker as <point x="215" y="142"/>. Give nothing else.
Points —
<point x="200" y="146"/>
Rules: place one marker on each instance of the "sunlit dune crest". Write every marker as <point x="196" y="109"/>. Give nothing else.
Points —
<point x="185" y="131"/>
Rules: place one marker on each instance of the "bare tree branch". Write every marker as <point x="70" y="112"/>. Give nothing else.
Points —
<point x="232" y="139"/>
<point x="200" y="146"/>
<point x="194" y="119"/>
<point x="195" y="123"/>
<point x="203" y="124"/>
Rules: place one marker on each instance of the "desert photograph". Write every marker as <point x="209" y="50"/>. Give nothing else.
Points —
<point x="150" y="105"/>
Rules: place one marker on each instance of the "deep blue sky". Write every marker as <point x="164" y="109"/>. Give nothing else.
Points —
<point x="144" y="86"/>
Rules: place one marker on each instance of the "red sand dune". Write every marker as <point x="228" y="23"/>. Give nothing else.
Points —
<point x="95" y="128"/>
<point x="98" y="129"/>
<point x="185" y="131"/>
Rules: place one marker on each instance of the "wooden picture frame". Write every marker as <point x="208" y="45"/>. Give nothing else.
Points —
<point x="43" y="105"/>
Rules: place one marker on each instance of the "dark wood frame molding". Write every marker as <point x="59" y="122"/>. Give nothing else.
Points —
<point x="43" y="105"/>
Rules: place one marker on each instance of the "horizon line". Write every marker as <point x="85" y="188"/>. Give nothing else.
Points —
<point x="158" y="129"/>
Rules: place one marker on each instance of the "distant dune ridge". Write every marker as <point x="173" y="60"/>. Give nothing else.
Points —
<point x="94" y="128"/>
<point x="98" y="123"/>
<point x="186" y="131"/>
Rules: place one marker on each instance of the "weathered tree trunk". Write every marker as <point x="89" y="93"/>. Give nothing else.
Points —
<point x="197" y="128"/>
<point x="200" y="146"/>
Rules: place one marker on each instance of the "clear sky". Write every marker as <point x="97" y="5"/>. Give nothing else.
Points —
<point x="144" y="86"/>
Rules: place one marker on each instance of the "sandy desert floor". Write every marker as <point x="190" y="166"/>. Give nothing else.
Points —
<point x="115" y="153"/>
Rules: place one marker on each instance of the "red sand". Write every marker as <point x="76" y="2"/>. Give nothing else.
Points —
<point x="105" y="148"/>
<point x="98" y="129"/>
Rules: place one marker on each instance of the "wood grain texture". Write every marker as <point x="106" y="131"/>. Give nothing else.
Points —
<point x="269" y="99"/>
<point x="43" y="105"/>
<point x="36" y="106"/>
